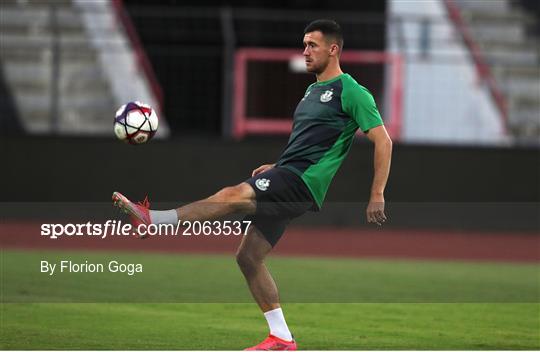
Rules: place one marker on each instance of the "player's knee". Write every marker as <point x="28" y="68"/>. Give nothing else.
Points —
<point x="246" y="261"/>
<point x="238" y="197"/>
<point x="226" y="194"/>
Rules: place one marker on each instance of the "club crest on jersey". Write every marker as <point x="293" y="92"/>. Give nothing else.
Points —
<point x="326" y="96"/>
<point x="262" y="184"/>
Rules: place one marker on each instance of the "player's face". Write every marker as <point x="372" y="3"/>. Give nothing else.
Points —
<point x="317" y="52"/>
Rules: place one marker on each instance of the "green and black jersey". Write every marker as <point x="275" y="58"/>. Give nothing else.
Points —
<point x="325" y="122"/>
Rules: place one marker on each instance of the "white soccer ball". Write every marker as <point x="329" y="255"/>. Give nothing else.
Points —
<point x="135" y="123"/>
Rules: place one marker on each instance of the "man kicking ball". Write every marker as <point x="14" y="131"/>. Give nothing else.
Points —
<point x="325" y="121"/>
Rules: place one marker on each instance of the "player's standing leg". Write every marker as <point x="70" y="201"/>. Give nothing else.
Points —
<point x="250" y="257"/>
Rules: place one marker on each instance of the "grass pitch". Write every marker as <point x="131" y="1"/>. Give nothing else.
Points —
<point x="201" y="302"/>
<point x="323" y="326"/>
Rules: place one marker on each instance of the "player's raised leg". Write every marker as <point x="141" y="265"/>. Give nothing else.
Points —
<point x="250" y="257"/>
<point x="229" y="200"/>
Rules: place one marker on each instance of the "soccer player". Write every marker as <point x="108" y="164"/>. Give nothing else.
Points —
<point x="325" y="122"/>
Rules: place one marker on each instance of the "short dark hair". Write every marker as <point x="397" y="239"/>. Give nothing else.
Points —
<point x="329" y="28"/>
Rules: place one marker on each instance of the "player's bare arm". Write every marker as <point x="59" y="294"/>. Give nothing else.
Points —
<point x="262" y="169"/>
<point x="381" y="164"/>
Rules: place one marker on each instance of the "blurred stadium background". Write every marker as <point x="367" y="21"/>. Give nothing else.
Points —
<point x="468" y="69"/>
<point x="457" y="83"/>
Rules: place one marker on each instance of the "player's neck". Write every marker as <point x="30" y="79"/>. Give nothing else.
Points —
<point x="329" y="73"/>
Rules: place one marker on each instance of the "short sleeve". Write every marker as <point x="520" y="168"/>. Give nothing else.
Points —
<point x="360" y="105"/>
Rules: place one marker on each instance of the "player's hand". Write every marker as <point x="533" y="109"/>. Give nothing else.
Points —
<point x="262" y="169"/>
<point x="375" y="210"/>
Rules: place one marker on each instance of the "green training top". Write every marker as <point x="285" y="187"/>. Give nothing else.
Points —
<point x="325" y="122"/>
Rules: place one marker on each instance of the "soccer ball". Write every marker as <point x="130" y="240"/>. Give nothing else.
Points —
<point x="135" y="123"/>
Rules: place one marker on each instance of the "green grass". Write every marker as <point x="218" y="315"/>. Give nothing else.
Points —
<point x="201" y="302"/>
<point x="234" y="326"/>
<point x="216" y="279"/>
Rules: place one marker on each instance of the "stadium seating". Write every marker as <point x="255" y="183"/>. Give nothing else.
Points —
<point x="28" y="56"/>
<point x="501" y="30"/>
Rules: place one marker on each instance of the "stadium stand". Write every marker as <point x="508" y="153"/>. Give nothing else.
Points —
<point x="69" y="65"/>
<point x="504" y="32"/>
<point x="51" y="68"/>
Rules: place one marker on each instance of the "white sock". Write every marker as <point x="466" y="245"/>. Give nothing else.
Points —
<point x="164" y="216"/>
<point x="277" y="324"/>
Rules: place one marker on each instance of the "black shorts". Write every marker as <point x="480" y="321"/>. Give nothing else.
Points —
<point x="281" y="196"/>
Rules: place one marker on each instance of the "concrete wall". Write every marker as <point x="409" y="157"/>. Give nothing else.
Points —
<point x="430" y="187"/>
<point x="86" y="169"/>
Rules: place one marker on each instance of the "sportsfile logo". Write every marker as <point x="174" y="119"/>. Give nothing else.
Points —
<point x="120" y="229"/>
<point x="110" y="227"/>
